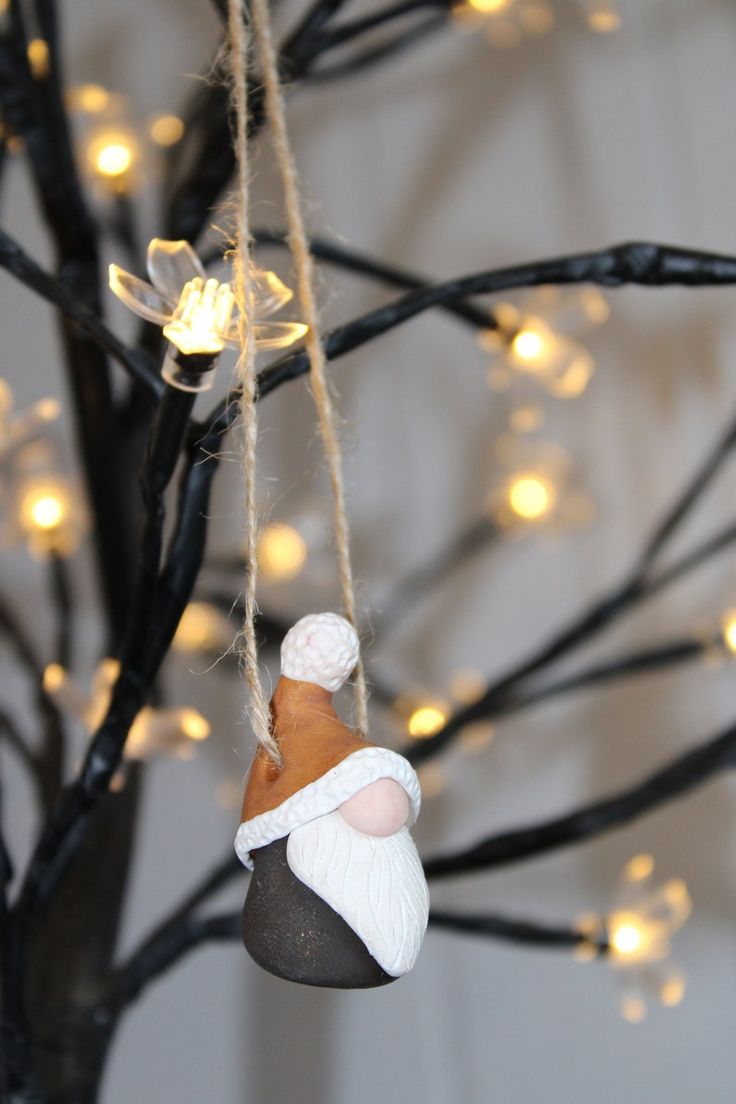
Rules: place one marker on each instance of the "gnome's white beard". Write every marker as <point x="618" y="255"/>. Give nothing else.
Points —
<point x="376" y="883"/>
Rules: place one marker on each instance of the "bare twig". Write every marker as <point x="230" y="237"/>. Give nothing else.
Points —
<point x="20" y="265"/>
<point x="160" y="954"/>
<point x="529" y="933"/>
<point x="173" y="936"/>
<point x="166" y="947"/>
<point x="355" y="261"/>
<point x="677" y="778"/>
<point x="623" y="597"/>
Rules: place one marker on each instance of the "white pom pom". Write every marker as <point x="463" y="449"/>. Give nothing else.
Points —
<point x="322" y="648"/>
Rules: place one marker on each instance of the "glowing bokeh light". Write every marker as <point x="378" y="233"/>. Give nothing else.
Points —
<point x="639" y="868"/>
<point x="38" y="57"/>
<point x="489" y="7"/>
<point x="282" y="553"/>
<point x="166" y="130"/>
<point x="426" y="720"/>
<point x="530" y="496"/>
<point x="202" y="317"/>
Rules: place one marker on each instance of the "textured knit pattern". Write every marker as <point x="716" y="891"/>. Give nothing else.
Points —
<point x="327" y="794"/>
<point x="376" y="883"/>
<point x="322" y="648"/>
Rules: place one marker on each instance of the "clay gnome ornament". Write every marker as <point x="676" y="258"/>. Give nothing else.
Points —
<point x="338" y="896"/>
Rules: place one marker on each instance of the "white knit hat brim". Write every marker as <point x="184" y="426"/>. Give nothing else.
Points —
<point x="326" y="794"/>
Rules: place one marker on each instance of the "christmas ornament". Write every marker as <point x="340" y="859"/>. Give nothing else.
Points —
<point x="338" y="896"/>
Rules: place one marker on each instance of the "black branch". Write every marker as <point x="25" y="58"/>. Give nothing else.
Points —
<point x="169" y="945"/>
<point x="360" y="264"/>
<point x="622" y="598"/>
<point x="528" y="933"/>
<point x="135" y="361"/>
<point x="683" y="774"/>
<point x="643" y="263"/>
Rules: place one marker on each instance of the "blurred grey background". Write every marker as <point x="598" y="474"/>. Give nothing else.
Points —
<point x="454" y="158"/>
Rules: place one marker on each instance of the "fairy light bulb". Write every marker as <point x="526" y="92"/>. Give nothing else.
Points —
<point x="639" y="868"/>
<point x="528" y="345"/>
<point x="112" y="156"/>
<point x="633" y="1009"/>
<point x="194" y="725"/>
<point x="166" y="731"/>
<point x="198" y="314"/>
<point x="53" y="678"/>
<point x="153" y="731"/>
<point x="92" y="99"/>
<point x="166" y="130"/>
<point x="603" y="18"/>
<point x="38" y="57"/>
<point x="200" y="628"/>
<point x="530" y="496"/>
<point x="426" y="720"/>
<point x="489" y="7"/>
<point x="44" y="509"/>
<point x="672" y="990"/>
<point x="282" y="553"/>
<point x="202" y="316"/>
<point x="63" y="691"/>
<point x="637" y="935"/>
<point x="48" y="410"/>
<point x="728" y="629"/>
<point x="533" y="346"/>
<point x="626" y="935"/>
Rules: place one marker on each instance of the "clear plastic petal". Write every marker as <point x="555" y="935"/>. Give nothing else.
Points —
<point x="269" y="292"/>
<point x="268" y="335"/>
<point x="278" y="335"/>
<point x="171" y="264"/>
<point x="140" y="297"/>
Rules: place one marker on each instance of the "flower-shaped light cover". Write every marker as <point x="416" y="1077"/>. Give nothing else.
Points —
<point x="639" y="931"/>
<point x="154" y="732"/>
<point x="536" y="487"/>
<point x="115" y="150"/>
<point x="198" y="314"/>
<point x="535" y="340"/>
<point x="38" y="502"/>
<point x="420" y="714"/>
<point x="506" y="23"/>
<point x="18" y="427"/>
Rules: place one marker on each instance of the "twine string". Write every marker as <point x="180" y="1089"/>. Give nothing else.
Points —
<point x="276" y="116"/>
<point x="258" y="702"/>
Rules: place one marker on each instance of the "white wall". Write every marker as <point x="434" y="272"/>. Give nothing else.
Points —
<point x="453" y="159"/>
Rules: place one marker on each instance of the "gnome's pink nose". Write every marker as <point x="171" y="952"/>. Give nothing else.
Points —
<point x="379" y="809"/>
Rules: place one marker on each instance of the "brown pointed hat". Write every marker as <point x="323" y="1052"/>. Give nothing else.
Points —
<point x="324" y="763"/>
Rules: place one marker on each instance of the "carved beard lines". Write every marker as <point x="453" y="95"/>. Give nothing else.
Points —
<point x="375" y="883"/>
